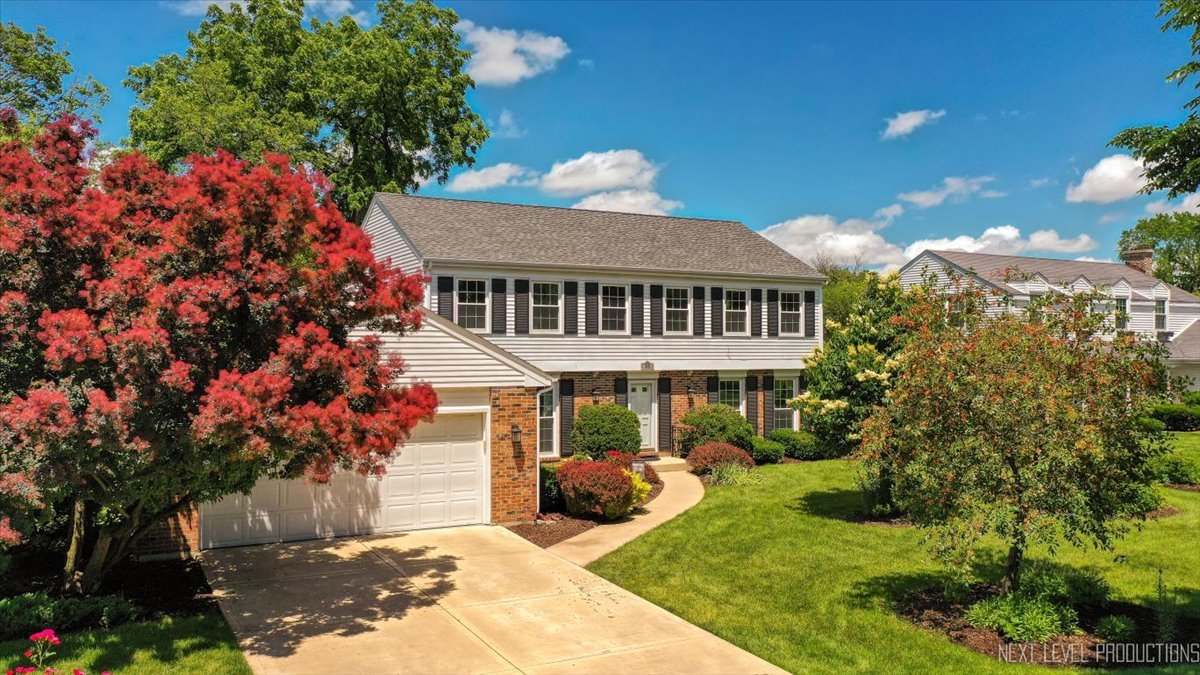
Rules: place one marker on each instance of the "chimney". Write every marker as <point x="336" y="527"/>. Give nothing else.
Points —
<point x="1140" y="259"/>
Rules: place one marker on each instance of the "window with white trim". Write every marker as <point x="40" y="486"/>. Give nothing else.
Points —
<point x="1160" y="315"/>
<point x="736" y="312"/>
<point x="1121" y="314"/>
<point x="547" y="311"/>
<point x="614" y="309"/>
<point x="785" y="391"/>
<point x="472" y="304"/>
<point x="791" y="310"/>
<point x="729" y="392"/>
<point x="677" y="308"/>
<point x="545" y="434"/>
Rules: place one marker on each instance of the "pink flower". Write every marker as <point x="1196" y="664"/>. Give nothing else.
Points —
<point x="46" y="635"/>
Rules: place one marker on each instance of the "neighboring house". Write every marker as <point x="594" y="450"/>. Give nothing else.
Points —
<point x="531" y="313"/>
<point x="1139" y="302"/>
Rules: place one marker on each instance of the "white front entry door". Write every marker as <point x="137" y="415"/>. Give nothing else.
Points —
<point x="641" y="401"/>
<point x="438" y="479"/>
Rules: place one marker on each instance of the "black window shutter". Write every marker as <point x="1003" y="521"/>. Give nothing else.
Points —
<point x="712" y="388"/>
<point x="521" y="307"/>
<point x="499" y="306"/>
<point x="665" y="442"/>
<point x="621" y="391"/>
<point x="591" y="308"/>
<point x="656" y="309"/>
<point x="756" y="312"/>
<point x="752" y="401"/>
<point x="445" y="295"/>
<point x="566" y="416"/>
<point x="810" y="313"/>
<point x="571" y="307"/>
<point x="717" y="304"/>
<point x="637" y="318"/>
<point x="698" y="311"/>
<point x="768" y="404"/>
<point x="772" y="312"/>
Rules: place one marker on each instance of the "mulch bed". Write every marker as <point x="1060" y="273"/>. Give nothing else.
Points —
<point x="1165" y="512"/>
<point x="552" y="528"/>
<point x="1188" y="487"/>
<point x="930" y="609"/>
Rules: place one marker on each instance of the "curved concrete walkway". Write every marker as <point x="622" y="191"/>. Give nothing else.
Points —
<point x="681" y="491"/>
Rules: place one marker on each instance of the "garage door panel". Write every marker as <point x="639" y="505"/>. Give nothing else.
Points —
<point x="436" y="480"/>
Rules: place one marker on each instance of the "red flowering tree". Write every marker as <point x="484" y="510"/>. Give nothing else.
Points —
<point x="168" y="339"/>
<point x="1027" y="425"/>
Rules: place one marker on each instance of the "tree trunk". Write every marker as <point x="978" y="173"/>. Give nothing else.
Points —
<point x="70" y="576"/>
<point x="97" y="563"/>
<point x="1012" y="569"/>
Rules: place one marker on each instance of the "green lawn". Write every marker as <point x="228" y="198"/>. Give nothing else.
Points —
<point x="777" y="569"/>
<point x="195" y="644"/>
<point x="1188" y="445"/>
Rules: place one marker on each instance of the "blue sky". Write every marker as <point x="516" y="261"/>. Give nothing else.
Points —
<point x="777" y="114"/>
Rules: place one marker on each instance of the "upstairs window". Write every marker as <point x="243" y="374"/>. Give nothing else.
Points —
<point x="785" y="391"/>
<point x="735" y="312"/>
<point x="1160" y="315"/>
<point x="545" y="437"/>
<point x="472" y="304"/>
<point x="614" y="309"/>
<point x="791" y="307"/>
<point x="1121" y="320"/>
<point x="729" y="392"/>
<point x="546" y="309"/>
<point x="677" y="303"/>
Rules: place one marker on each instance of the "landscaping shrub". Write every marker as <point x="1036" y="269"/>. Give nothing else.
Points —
<point x="604" y="427"/>
<point x="596" y="489"/>
<point x="1069" y="587"/>
<point x="714" y="423"/>
<point x="1178" y="416"/>
<point x="621" y="459"/>
<point x="23" y="614"/>
<point x="551" y="498"/>
<point x="652" y="475"/>
<point x="1116" y="628"/>
<point x="641" y="488"/>
<point x="1190" y="397"/>
<point x="1176" y="469"/>
<point x="709" y="455"/>
<point x="765" y="451"/>
<point x="733" y="474"/>
<point x="798" y="444"/>
<point x="1021" y="618"/>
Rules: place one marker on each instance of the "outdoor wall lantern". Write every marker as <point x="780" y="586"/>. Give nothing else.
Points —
<point x="596" y="395"/>
<point x="515" y="432"/>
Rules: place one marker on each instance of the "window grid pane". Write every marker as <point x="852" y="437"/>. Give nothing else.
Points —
<point x="735" y="311"/>
<point x="613" y="303"/>
<point x="729" y="392"/>
<point x="546" y="422"/>
<point x="1122" y="311"/>
<point x="1160" y="314"/>
<point x="545" y="306"/>
<point x="677" y="301"/>
<point x="785" y="390"/>
<point x="472" y="304"/>
<point x="791" y="306"/>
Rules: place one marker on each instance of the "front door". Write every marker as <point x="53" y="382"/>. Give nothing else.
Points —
<point x="641" y="401"/>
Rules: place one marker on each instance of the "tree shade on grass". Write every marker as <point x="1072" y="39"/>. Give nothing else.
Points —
<point x="196" y="644"/>
<point x="782" y="570"/>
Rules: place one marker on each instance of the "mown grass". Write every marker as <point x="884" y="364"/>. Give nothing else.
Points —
<point x="196" y="644"/>
<point x="782" y="570"/>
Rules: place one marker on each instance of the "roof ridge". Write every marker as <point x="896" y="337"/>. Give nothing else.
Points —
<point x="563" y="208"/>
<point x="1033" y="257"/>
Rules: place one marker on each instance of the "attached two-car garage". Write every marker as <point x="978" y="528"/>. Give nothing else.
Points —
<point x="438" y="479"/>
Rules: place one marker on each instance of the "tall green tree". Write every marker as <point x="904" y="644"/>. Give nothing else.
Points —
<point x="379" y="108"/>
<point x="1172" y="154"/>
<point x="1175" y="239"/>
<point x="37" y="79"/>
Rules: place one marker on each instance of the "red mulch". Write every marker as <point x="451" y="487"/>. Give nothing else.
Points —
<point x="552" y="528"/>
<point x="1165" y="512"/>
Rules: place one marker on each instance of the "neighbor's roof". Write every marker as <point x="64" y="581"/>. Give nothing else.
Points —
<point x="455" y="230"/>
<point x="1186" y="345"/>
<point x="991" y="267"/>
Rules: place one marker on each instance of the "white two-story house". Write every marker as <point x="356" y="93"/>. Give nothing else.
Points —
<point x="531" y="313"/>
<point x="1139" y="302"/>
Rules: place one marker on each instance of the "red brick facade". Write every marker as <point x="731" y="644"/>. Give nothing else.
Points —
<point x="514" y="469"/>
<point x="177" y="536"/>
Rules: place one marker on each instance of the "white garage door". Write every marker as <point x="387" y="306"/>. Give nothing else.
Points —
<point x="438" y="479"/>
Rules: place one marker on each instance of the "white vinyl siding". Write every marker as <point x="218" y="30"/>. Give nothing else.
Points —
<point x="736" y="312"/>
<point x="614" y="309"/>
<point x="388" y="244"/>
<point x="546" y="312"/>
<point x="471" y="298"/>
<point x="791" y="313"/>
<point x="677" y="311"/>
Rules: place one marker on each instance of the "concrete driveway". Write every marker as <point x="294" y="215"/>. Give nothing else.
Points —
<point x="461" y="600"/>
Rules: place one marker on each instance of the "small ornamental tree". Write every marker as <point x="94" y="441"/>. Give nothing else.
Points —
<point x="170" y="338"/>
<point x="1026" y="425"/>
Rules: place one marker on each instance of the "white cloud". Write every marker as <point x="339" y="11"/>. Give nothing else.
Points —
<point x="1088" y="258"/>
<point x="1035" y="183"/>
<point x="196" y="7"/>
<point x="1113" y="178"/>
<point x="854" y="240"/>
<point x="1189" y="204"/>
<point x="1109" y="218"/>
<point x="503" y="56"/>
<point x="993" y="194"/>
<point x="598" y="171"/>
<point x="336" y="9"/>
<point x="508" y="127"/>
<point x="1005" y="239"/>
<point x="889" y="213"/>
<point x="952" y="188"/>
<point x="905" y="123"/>
<point x="490" y="177"/>
<point x="587" y="63"/>
<point x="629" y="201"/>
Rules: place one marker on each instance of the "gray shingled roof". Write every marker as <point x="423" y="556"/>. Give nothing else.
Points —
<point x="991" y="267"/>
<point x="1186" y="345"/>
<point x="512" y="234"/>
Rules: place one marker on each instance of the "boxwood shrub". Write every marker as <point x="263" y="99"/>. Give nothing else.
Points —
<point x="765" y="451"/>
<point x="550" y="494"/>
<point x="604" y="427"/>
<point x="714" y="422"/>
<point x="596" y="489"/>
<point x="798" y="444"/>
<point x="1178" y="416"/>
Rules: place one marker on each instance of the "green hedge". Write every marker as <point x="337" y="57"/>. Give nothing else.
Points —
<point x="604" y="427"/>
<point x="1178" y="416"/>
<point x="28" y="613"/>
<point x="714" y="423"/>
<point x="766" y="451"/>
<point x="550" y="494"/>
<point x="798" y="444"/>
